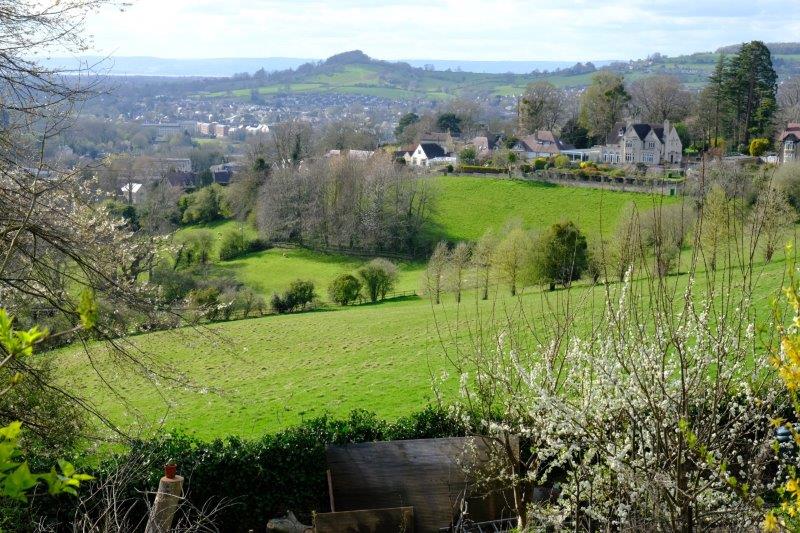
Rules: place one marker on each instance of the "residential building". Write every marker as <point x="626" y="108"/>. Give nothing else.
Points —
<point x="165" y="130"/>
<point x="165" y="164"/>
<point x="431" y="153"/>
<point x="181" y="180"/>
<point x="361" y="155"/>
<point x="649" y="144"/>
<point x="789" y="139"/>
<point x="405" y="155"/>
<point x="223" y="173"/>
<point x="543" y="143"/>
<point x="133" y="192"/>
<point x="486" y="144"/>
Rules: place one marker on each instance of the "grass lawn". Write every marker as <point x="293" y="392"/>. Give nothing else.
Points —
<point x="467" y="205"/>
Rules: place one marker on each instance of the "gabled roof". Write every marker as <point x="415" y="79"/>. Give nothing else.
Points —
<point x="433" y="150"/>
<point x="181" y="179"/>
<point x="487" y="142"/>
<point x="641" y="130"/>
<point x="543" y="141"/>
<point x="792" y="130"/>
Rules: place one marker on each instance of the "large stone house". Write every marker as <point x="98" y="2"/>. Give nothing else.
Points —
<point x="650" y="144"/>
<point x="789" y="139"/>
<point x="543" y="143"/>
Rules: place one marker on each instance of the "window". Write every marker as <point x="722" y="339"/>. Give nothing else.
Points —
<point x="651" y="145"/>
<point x="628" y="144"/>
<point x="648" y="157"/>
<point x="629" y="157"/>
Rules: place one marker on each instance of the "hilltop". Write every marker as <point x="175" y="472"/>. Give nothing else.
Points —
<point x="354" y="72"/>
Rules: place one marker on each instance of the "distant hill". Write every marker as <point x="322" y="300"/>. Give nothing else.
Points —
<point x="354" y="72"/>
<point x="224" y="67"/>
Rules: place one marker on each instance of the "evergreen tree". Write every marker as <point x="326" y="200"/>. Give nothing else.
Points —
<point x="751" y="87"/>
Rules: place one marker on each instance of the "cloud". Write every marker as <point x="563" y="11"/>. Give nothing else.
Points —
<point x="438" y="29"/>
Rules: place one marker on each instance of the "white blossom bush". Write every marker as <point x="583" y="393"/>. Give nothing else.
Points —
<point x="655" y="418"/>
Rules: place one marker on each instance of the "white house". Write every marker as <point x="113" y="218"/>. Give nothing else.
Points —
<point x="430" y="153"/>
<point x="133" y="192"/>
<point x="789" y="139"/>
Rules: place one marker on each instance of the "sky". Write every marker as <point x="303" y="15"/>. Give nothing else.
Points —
<point x="485" y="30"/>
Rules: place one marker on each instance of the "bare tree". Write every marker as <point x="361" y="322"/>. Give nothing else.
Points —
<point x="542" y="107"/>
<point x="459" y="263"/>
<point x="483" y="260"/>
<point x="659" y="98"/>
<point x="772" y="217"/>
<point x="511" y="257"/>
<point x="436" y="270"/>
<point x="789" y="101"/>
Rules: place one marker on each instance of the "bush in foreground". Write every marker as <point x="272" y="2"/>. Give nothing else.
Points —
<point x="345" y="289"/>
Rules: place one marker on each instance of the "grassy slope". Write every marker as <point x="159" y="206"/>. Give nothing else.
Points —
<point x="258" y="375"/>
<point x="467" y="206"/>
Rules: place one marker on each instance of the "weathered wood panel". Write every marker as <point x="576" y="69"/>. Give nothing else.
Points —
<point x="395" y="520"/>
<point x="428" y="475"/>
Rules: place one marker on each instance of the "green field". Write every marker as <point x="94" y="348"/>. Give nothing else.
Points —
<point x="253" y="376"/>
<point x="467" y="206"/>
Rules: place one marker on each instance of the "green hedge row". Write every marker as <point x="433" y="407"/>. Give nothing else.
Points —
<point x="474" y="169"/>
<point x="257" y="479"/>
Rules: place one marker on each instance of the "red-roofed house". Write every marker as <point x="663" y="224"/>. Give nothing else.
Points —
<point x="789" y="139"/>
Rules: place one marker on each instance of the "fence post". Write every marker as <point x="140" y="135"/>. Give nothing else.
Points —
<point x="168" y="497"/>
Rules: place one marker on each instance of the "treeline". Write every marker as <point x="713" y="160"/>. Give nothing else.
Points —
<point x="371" y="206"/>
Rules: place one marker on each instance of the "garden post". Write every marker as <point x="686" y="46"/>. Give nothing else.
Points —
<point x="168" y="497"/>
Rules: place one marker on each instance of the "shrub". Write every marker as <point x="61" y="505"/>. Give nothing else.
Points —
<point x="526" y="168"/>
<point x="561" y="161"/>
<point x="203" y="206"/>
<point x="561" y="256"/>
<point x="173" y="284"/>
<point x="468" y="156"/>
<point x="232" y="245"/>
<point x="758" y="146"/>
<point x="540" y="163"/>
<point x="205" y="301"/>
<point x="449" y="168"/>
<point x="264" y="476"/>
<point x="345" y="289"/>
<point x="472" y="169"/>
<point x="299" y="294"/>
<point x="278" y="304"/>
<point x="379" y="277"/>
<point x="196" y="248"/>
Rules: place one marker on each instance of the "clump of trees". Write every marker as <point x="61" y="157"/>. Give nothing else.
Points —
<point x="379" y="277"/>
<point x="203" y="206"/>
<point x="234" y="244"/>
<point x="297" y="297"/>
<point x="341" y="203"/>
<point x="345" y="289"/>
